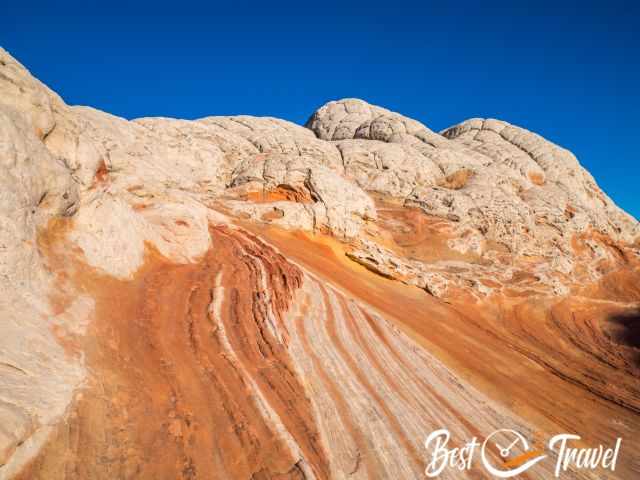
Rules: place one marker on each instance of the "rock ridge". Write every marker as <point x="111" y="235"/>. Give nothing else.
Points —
<point x="310" y="299"/>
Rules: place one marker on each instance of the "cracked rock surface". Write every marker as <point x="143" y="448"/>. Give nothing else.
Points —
<point x="244" y="297"/>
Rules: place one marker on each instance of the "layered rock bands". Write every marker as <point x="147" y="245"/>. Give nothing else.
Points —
<point x="246" y="298"/>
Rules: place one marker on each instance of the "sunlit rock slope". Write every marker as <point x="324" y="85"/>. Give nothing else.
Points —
<point x="246" y="298"/>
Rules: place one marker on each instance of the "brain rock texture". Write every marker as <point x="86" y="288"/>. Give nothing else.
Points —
<point x="246" y="298"/>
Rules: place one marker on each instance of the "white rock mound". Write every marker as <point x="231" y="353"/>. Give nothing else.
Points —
<point x="159" y="181"/>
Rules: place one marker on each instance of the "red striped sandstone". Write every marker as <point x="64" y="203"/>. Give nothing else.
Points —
<point x="241" y="297"/>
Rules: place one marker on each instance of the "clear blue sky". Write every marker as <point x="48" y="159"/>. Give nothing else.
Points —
<point x="569" y="71"/>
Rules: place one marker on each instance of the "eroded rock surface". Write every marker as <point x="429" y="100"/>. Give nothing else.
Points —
<point x="243" y="297"/>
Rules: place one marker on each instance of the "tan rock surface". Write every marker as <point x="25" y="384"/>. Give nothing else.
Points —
<point x="243" y="297"/>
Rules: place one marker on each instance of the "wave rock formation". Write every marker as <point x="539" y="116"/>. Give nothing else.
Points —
<point x="246" y="298"/>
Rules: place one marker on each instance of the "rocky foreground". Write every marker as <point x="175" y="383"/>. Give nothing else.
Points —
<point x="246" y="298"/>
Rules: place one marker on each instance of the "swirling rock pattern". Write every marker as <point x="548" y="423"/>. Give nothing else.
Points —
<point x="241" y="297"/>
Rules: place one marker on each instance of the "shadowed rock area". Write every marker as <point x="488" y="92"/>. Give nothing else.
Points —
<point x="245" y="298"/>
<point x="624" y="329"/>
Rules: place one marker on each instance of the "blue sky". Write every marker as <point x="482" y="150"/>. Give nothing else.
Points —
<point x="567" y="70"/>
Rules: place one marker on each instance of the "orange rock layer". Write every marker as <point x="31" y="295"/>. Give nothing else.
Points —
<point x="277" y="357"/>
